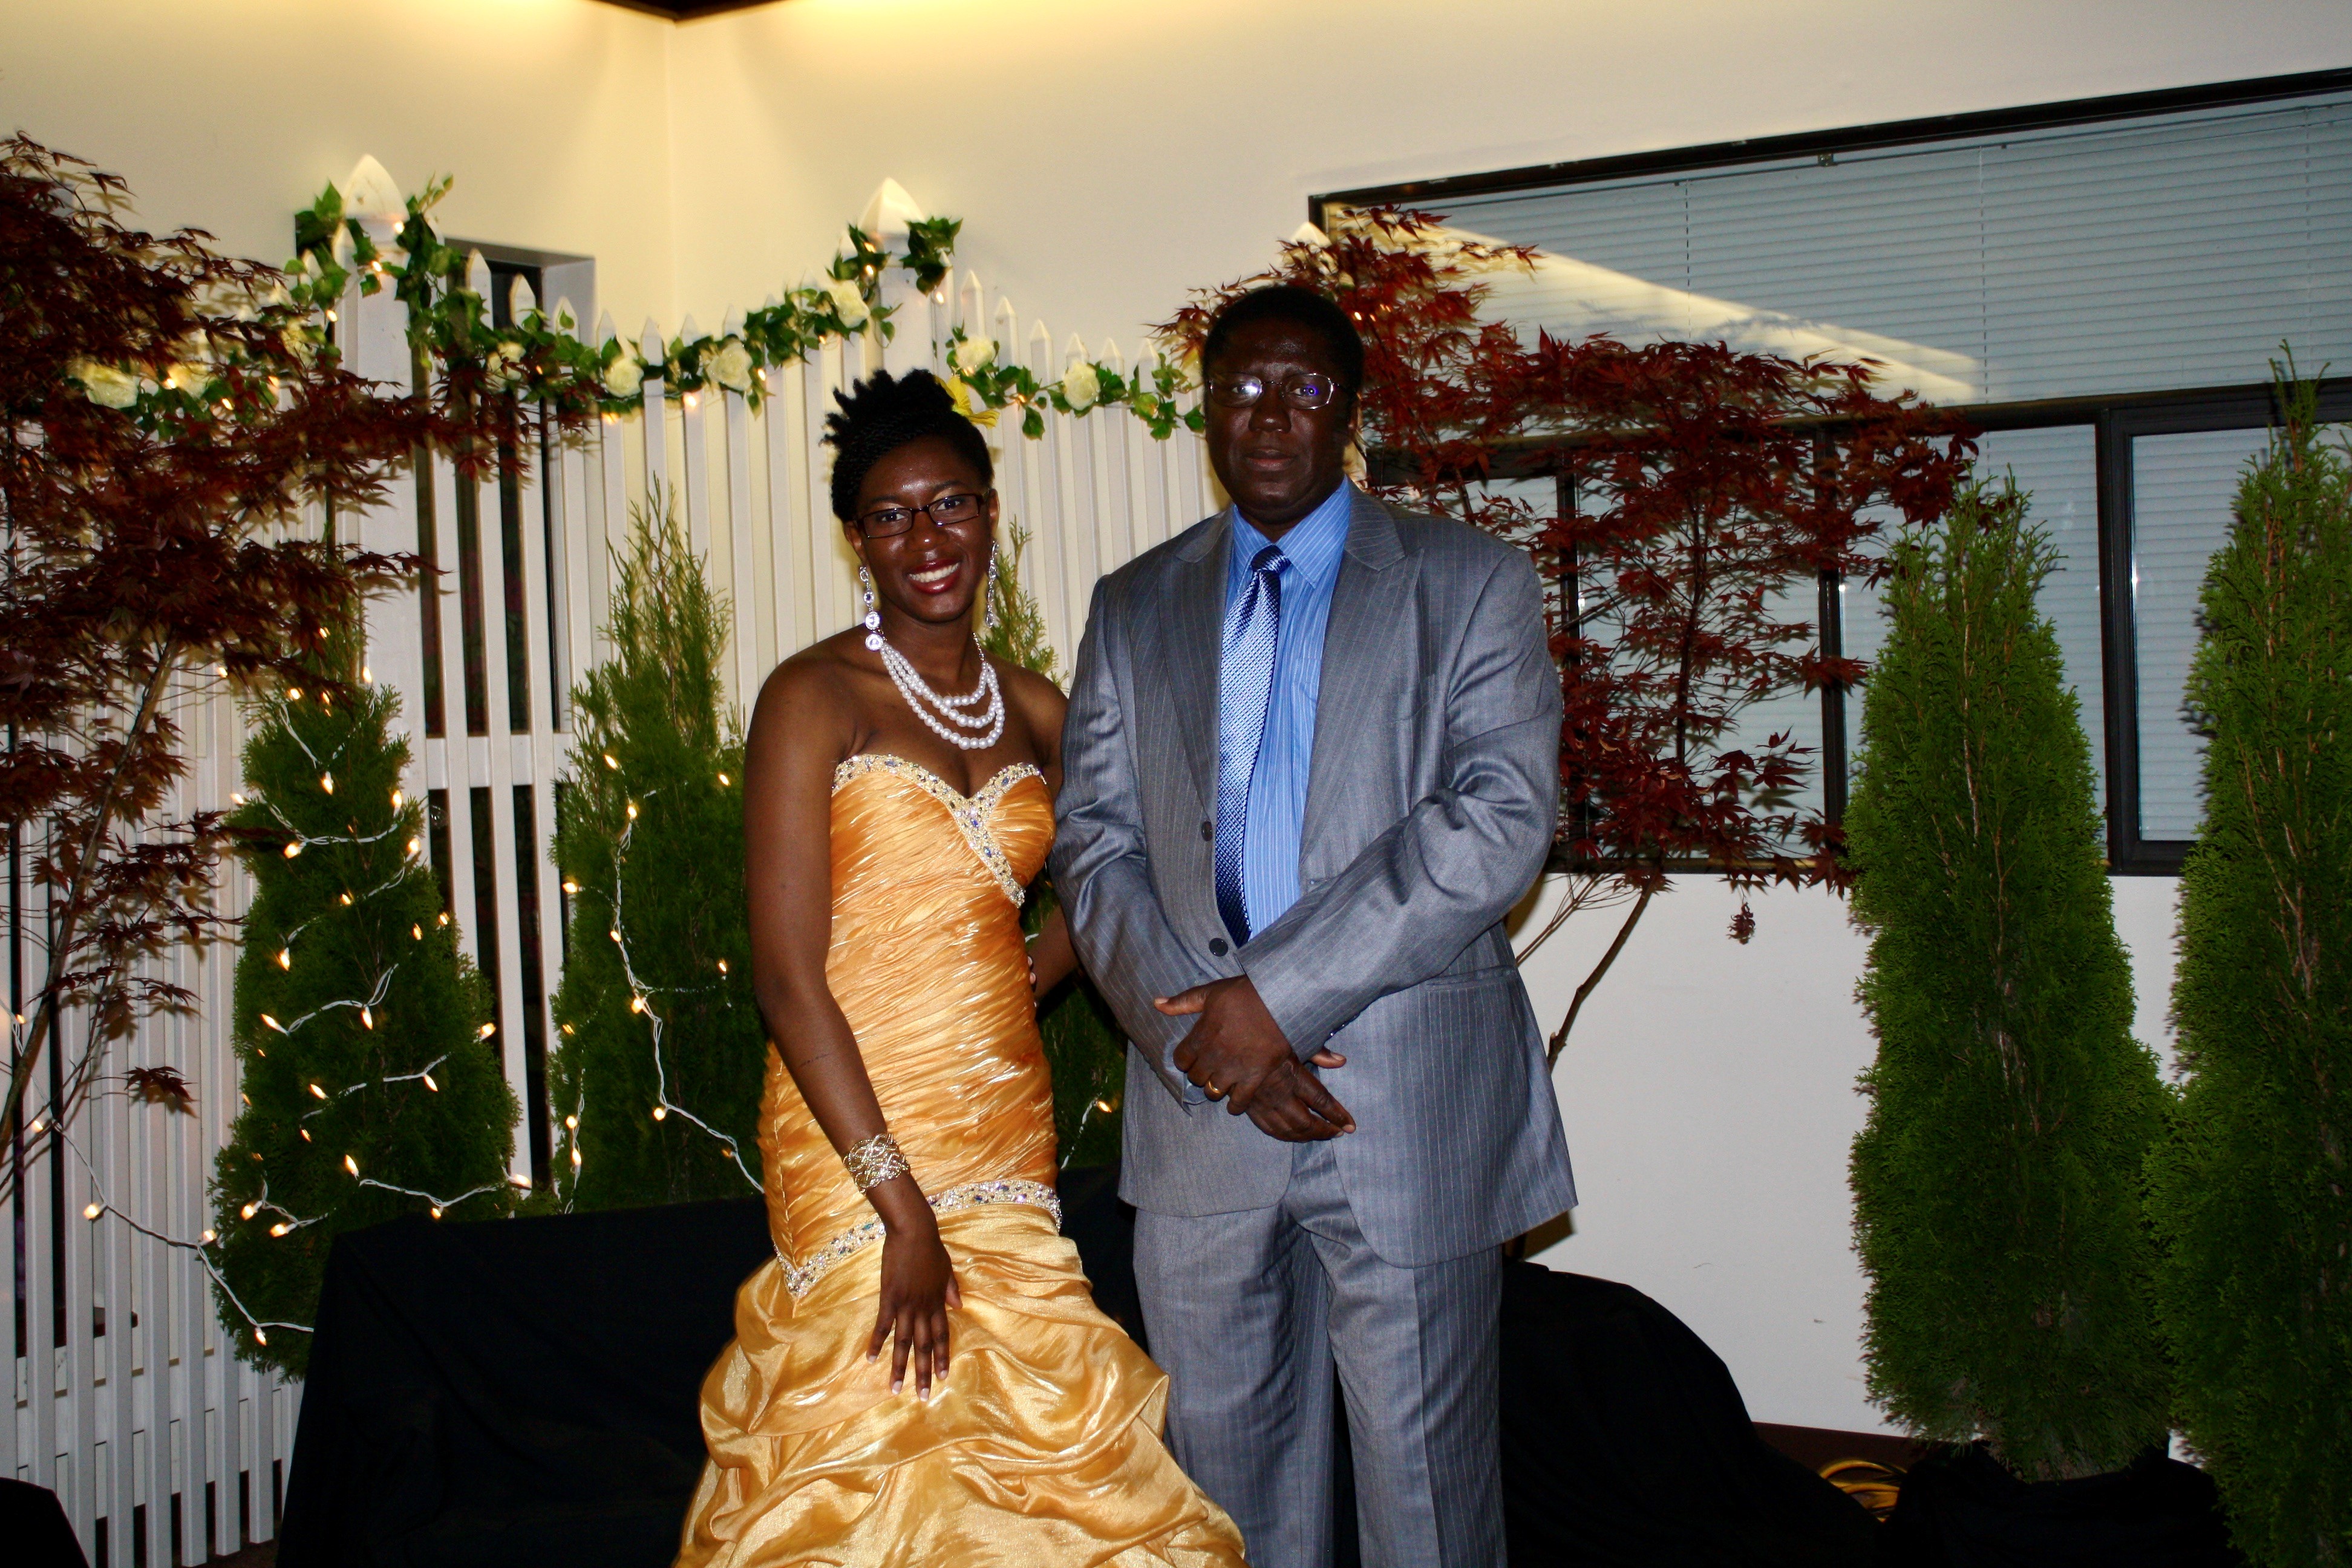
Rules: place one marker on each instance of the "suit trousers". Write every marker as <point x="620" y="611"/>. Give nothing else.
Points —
<point x="1251" y="1313"/>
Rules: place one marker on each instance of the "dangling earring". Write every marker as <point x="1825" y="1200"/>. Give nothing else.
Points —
<point x="988" y="604"/>
<point x="873" y="619"/>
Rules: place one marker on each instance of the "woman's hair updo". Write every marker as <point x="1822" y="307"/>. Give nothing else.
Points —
<point x="882" y="414"/>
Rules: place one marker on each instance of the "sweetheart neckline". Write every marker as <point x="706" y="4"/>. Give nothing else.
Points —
<point x="858" y="763"/>
<point x="971" y="813"/>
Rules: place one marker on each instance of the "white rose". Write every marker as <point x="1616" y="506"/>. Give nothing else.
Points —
<point x="1081" y="386"/>
<point x="849" y="304"/>
<point x="729" y="364"/>
<point x="973" y="353"/>
<point x="624" y="377"/>
<point x="103" y="384"/>
<point x="189" y="378"/>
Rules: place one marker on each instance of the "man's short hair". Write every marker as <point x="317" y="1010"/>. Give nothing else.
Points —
<point x="1298" y="306"/>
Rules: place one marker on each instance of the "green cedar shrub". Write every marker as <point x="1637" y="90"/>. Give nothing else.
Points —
<point x="649" y="839"/>
<point x="1086" y="1050"/>
<point x="2251" y="1190"/>
<point x="1019" y="635"/>
<point x="407" y="1088"/>
<point x="1998" y="1181"/>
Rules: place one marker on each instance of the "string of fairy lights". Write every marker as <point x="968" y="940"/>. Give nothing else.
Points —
<point x="641" y="1000"/>
<point x="370" y="1008"/>
<point x="101" y="1206"/>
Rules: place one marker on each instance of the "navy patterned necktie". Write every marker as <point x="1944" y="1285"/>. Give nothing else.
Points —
<point x="1245" y="687"/>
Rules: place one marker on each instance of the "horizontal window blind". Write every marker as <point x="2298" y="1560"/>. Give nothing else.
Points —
<point x="2181" y="491"/>
<point x="2097" y="262"/>
<point x="2058" y="468"/>
<point x="1796" y="714"/>
<point x="2152" y="255"/>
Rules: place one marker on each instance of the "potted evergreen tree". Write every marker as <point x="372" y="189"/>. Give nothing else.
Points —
<point x="660" y="1053"/>
<point x="1998" y="1181"/>
<point x="372" y="1087"/>
<point x="2251" y="1189"/>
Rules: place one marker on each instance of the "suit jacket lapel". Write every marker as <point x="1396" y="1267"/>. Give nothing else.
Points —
<point x="1365" y="645"/>
<point x="1190" y="630"/>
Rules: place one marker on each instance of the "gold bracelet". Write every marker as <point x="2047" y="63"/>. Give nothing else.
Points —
<point x="875" y="1162"/>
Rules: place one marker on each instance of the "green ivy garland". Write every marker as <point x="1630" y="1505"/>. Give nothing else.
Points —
<point x="540" y="360"/>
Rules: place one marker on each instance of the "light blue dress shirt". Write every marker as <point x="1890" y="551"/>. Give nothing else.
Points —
<point x="1286" y="751"/>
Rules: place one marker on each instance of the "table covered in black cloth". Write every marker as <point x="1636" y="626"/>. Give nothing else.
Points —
<point x="515" y="1391"/>
<point x="525" y="1392"/>
<point x="1625" y="1441"/>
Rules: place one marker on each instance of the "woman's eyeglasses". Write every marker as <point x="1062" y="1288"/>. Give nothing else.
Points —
<point x="1309" y="390"/>
<point x="947" y="511"/>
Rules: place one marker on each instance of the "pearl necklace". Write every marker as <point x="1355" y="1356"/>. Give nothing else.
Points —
<point x="910" y="683"/>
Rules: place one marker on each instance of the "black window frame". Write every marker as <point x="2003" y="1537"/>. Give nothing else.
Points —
<point x="2117" y="420"/>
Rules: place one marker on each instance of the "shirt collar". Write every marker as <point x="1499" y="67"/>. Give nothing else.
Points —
<point x="1314" y="543"/>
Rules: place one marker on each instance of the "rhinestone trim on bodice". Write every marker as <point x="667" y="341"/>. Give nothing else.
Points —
<point x="972" y="812"/>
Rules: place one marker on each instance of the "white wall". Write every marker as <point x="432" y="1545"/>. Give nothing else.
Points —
<point x="1107" y="158"/>
<point x="230" y="114"/>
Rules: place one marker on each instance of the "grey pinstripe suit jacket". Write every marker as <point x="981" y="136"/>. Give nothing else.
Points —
<point x="1432" y="798"/>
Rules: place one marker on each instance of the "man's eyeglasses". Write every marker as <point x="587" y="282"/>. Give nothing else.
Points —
<point x="947" y="511"/>
<point x="1309" y="390"/>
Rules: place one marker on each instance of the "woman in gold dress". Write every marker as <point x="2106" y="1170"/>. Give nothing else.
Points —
<point x="898" y="797"/>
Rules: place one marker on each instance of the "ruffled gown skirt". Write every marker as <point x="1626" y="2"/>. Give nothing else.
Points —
<point x="1041" y="1448"/>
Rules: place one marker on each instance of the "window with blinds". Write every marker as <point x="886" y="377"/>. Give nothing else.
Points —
<point x="2103" y="296"/>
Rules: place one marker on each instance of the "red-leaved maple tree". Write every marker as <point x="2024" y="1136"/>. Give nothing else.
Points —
<point x="1691" y="498"/>
<point x="172" y="425"/>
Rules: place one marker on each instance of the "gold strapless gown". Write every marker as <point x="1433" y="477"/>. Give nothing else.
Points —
<point x="1043" y="1447"/>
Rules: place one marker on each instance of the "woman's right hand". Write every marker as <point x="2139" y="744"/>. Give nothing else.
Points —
<point x="918" y="1287"/>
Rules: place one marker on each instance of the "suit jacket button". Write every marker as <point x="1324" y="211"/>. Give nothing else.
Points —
<point x="1217" y="946"/>
<point x="1207" y="831"/>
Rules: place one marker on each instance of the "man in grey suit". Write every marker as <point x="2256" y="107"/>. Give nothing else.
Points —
<point x="1311" y="760"/>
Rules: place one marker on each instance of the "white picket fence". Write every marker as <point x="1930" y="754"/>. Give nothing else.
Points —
<point x="131" y="1402"/>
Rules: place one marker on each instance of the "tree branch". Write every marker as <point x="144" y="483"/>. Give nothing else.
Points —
<point x="61" y="945"/>
<point x="1576" y="1006"/>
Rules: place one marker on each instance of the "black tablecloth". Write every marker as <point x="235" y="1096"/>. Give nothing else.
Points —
<point x="524" y="1392"/>
<point x="1625" y="1441"/>
<point x="1963" y="1509"/>
<point x="513" y="1392"/>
